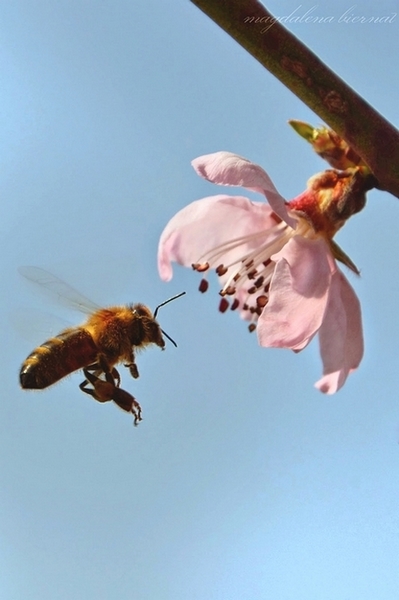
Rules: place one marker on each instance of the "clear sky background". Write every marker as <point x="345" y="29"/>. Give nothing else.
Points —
<point x="242" y="482"/>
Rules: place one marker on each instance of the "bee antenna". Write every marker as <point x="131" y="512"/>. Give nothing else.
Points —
<point x="163" y="304"/>
<point x="169" y="338"/>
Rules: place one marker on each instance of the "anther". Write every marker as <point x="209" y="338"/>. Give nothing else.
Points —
<point x="221" y="270"/>
<point x="203" y="286"/>
<point x="235" y="304"/>
<point x="252" y="274"/>
<point x="223" y="305"/>
<point x="230" y="290"/>
<point x="261" y="301"/>
<point x="200" y="267"/>
<point x="251" y="327"/>
<point x="252" y="290"/>
<point x="259" y="282"/>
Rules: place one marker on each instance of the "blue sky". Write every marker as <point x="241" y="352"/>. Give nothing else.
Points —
<point x="243" y="481"/>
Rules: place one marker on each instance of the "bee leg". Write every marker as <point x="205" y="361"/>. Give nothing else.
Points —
<point x="84" y="389"/>
<point x="134" y="372"/>
<point x="85" y="382"/>
<point x="94" y="369"/>
<point x="113" y="377"/>
<point x="91" y="373"/>
<point x="104" y="367"/>
<point x="127" y="402"/>
<point x="87" y="390"/>
<point x="131" y="365"/>
<point x="102" y="391"/>
<point x="122" y="398"/>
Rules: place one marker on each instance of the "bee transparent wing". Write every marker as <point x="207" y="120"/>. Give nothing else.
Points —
<point x="59" y="290"/>
<point x="35" y="325"/>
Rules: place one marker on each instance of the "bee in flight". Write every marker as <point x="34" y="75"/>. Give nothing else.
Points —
<point x="108" y="337"/>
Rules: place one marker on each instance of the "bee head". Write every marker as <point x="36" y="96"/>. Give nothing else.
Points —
<point x="146" y="328"/>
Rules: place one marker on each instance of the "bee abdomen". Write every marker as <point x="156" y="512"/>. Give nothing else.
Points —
<point x="59" y="356"/>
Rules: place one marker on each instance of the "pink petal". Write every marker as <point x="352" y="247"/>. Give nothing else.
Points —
<point x="299" y="294"/>
<point x="202" y="225"/>
<point x="341" y="336"/>
<point x="226" y="168"/>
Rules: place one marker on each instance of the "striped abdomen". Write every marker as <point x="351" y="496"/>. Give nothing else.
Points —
<point x="71" y="350"/>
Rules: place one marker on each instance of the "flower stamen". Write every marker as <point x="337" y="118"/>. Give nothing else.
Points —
<point x="222" y="249"/>
<point x="200" y="267"/>
<point x="221" y="270"/>
<point x="223" y="305"/>
<point x="235" y="304"/>
<point x="203" y="286"/>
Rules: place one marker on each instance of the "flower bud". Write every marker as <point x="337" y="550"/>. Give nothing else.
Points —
<point x="329" y="145"/>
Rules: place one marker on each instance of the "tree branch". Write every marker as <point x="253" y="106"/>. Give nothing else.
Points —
<point x="363" y="128"/>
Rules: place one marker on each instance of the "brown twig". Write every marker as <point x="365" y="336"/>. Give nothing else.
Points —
<point x="347" y="113"/>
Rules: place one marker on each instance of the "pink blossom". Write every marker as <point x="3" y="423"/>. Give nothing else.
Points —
<point x="274" y="267"/>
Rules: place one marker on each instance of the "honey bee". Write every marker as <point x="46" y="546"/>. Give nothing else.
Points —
<point x="108" y="337"/>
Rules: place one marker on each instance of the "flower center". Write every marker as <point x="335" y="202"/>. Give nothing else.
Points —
<point x="247" y="274"/>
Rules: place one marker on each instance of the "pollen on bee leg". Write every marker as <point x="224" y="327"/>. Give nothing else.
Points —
<point x="200" y="267"/>
<point x="203" y="286"/>
<point x="223" y="305"/>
